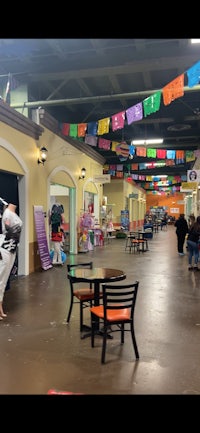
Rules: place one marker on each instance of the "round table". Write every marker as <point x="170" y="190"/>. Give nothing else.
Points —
<point x="96" y="276"/>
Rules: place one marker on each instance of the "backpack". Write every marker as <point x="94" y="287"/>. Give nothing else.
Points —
<point x="56" y="212"/>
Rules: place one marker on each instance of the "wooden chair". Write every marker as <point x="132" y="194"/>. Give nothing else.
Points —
<point x="134" y="245"/>
<point x="140" y="243"/>
<point x="130" y="236"/>
<point x="143" y="245"/>
<point x="84" y="295"/>
<point x="116" y="314"/>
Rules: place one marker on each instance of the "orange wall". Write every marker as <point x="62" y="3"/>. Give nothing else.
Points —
<point x="172" y="201"/>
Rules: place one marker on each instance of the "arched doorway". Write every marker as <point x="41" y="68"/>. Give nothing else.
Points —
<point x="62" y="187"/>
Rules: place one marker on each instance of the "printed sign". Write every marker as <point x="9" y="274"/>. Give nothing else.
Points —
<point x="104" y="178"/>
<point x="133" y="195"/>
<point x="125" y="219"/>
<point x="42" y="238"/>
<point x="174" y="210"/>
<point x="193" y="176"/>
<point x="188" y="186"/>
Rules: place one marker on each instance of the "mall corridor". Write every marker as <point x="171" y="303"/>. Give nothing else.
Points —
<point x="39" y="351"/>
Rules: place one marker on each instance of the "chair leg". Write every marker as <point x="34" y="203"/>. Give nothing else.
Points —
<point x="134" y="246"/>
<point x="92" y="330"/>
<point x="84" y="327"/>
<point x="127" y="243"/>
<point x="70" y="309"/>
<point x="122" y="333"/>
<point x="134" y="342"/>
<point x="81" y="316"/>
<point x="103" y="354"/>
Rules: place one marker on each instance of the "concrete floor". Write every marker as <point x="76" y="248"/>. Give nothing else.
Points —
<point x="39" y="351"/>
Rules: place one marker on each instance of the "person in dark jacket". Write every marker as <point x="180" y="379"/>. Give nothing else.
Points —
<point x="191" y="220"/>
<point x="193" y="244"/>
<point x="181" y="231"/>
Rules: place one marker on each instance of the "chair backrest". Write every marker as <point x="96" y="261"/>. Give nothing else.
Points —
<point x="120" y="296"/>
<point x="88" y="265"/>
<point x="132" y="234"/>
<point x="79" y="265"/>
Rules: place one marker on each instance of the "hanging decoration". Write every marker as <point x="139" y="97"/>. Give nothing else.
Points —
<point x="173" y="90"/>
<point x="89" y="131"/>
<point x="150" y="105"/>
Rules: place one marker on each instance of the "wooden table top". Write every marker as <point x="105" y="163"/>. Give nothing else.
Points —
<point x="97" y="274"/>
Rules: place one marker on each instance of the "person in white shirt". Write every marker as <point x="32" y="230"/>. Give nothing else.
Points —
<point x="11" y="229"/>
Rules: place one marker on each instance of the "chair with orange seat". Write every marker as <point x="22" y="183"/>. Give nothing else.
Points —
<point x="143" y="245"/>
<point x="134" y="245"/>
<point x="116" y="314"/>
<point x="84" y="295"/>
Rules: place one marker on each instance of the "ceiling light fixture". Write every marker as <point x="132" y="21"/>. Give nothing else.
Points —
<point x="43" y="155"/>
<point x="163" y="176"/>
<point x="195" y="41"/>
<point x="149" y="141"/>
<point x="155" y="164"/>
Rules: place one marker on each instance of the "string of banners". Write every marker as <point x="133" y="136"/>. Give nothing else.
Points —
<point x="90" y="132"/>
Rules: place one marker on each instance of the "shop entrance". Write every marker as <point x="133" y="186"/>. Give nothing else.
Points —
<point x="9" y="192"/>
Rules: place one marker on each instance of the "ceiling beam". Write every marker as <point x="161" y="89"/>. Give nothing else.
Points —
<point x="156" y="64"/>
<point x="102" y="98"/>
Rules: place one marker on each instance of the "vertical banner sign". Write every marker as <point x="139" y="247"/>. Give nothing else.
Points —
<point x="42" y="238"/>
<point x="125" y="219"/>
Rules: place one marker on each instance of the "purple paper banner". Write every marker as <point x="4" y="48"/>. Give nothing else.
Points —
<point x="42" y="238"/>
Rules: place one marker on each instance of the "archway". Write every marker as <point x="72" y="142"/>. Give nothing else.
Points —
<point x="65" y="187"/>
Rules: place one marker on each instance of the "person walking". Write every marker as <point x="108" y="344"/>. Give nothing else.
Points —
<point x="191" y="220"/>
<point x="11" y="229"/>
<point x="193" y="244"/>
<point x="181" y="231"/>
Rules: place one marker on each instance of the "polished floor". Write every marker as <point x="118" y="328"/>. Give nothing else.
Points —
<point x="39" y="351"/>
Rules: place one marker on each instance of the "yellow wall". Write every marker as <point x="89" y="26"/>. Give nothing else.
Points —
<point x="19" y="154"/>
<point x="114" y="191"/>
<point x="8" y="160"/>
<point x="118" y="193"/>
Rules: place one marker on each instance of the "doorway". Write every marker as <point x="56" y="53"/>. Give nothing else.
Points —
<point x="10" y="193"/>
<point x="59" y="194"/>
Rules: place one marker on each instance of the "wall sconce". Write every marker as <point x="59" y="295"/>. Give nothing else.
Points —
<point x="43" y="155"/>
<point x="83" y="171"/>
